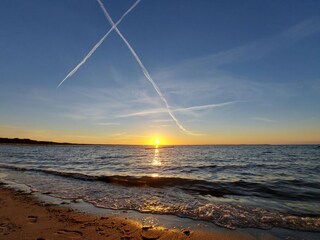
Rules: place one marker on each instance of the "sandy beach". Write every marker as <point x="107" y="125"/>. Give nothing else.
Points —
<point x="22" y="216"/>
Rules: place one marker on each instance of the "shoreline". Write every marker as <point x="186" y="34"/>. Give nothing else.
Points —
<point x="25" y="216"/>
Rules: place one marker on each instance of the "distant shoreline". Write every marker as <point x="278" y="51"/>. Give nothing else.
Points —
<point x="26" y="141"/>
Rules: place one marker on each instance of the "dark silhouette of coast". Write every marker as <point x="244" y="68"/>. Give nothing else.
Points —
<point x="31" y="142"/>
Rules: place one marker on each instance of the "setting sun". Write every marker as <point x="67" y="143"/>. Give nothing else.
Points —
<point x="157" y="141"/>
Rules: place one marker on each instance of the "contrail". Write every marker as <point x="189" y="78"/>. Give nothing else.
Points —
<point x="163" y="110"/>
<point x="144" y="70"/>
<point x="202" y="107"/>
<point x="98" y="43"/>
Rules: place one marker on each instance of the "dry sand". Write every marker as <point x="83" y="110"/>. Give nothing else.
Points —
<point x="22" y="216"/>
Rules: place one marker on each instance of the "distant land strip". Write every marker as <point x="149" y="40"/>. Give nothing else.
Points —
<point x="33" y="142"/>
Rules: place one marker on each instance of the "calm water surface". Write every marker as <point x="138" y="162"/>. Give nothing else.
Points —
<point x="231" y="186"/>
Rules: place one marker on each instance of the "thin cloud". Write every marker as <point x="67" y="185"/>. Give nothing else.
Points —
<point x="210" y="81"/>
<point x="107" y="124"/>
<point x="118" y="134"/>
<point x="259" y="48"/>
<point x="143" y="113"/>
<point x="125" y="136"/>
<point x="159" y="126"/>
<point x="263" y="119"/>
<point x="162" y="120"/>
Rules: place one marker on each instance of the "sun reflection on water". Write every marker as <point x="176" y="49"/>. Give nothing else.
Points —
<point x="156" y="158"/>
<point x="156" y="161"/>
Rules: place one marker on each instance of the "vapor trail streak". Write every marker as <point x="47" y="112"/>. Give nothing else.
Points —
<point x="187" y="109"/>
<point x="144" y="70"/>
<point x="98" y="43"/>
<point x="203" y="107"/>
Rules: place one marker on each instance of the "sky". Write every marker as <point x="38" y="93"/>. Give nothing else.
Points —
<point x="208" y="71"/>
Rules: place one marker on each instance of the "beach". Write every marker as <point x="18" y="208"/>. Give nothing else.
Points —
<point x="22" y="216"/>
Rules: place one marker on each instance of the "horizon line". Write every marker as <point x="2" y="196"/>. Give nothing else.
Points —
<point x="48" y="142"/>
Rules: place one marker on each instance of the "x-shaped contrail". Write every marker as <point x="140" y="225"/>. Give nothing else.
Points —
<point x="98" y="43"/>
<point x="135" y="55"/>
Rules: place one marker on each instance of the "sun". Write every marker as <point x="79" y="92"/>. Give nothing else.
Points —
<point x="157" y="141"/>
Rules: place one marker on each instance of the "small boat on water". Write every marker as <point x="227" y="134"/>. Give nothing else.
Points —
<point x="152" y="148"/>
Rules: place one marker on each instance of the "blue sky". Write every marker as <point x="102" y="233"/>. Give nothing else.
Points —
<point x="231" y="71"/>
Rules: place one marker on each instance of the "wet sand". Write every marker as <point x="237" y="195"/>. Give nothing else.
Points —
<point x="22" y="216"/>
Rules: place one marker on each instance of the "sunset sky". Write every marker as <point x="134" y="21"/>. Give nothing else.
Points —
<point x="232" y="72"/>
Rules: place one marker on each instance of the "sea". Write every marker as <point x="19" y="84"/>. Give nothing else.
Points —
<point x="258" y="186"/>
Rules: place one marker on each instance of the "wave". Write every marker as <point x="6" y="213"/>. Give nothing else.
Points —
<point x="181" y="204"/>
<point x="120" y="156"/>
<point x="216" y="167"/>
<point x="281" y="189"/>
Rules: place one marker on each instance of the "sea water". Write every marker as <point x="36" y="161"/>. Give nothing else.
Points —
<point x="230" y="186"/>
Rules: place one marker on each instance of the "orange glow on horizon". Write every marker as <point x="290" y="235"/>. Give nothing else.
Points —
<point x="302" y="135"/>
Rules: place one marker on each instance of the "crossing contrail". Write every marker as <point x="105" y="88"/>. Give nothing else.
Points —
<point x="144" y="70"/>
<point x="98" y="43"/>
